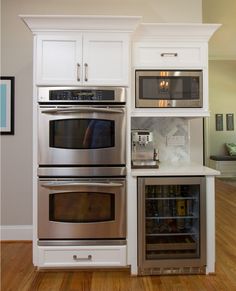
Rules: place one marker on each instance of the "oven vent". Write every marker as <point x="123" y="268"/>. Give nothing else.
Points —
<point x="149" y="271"/>
<point x="172" y="271"/>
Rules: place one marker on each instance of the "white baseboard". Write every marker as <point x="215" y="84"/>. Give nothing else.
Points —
<point x="16" y="232"/>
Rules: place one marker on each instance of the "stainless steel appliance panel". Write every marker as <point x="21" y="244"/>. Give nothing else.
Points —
<point x="171" y="225"/>
<point x="81" y="171"/>
<point x="81" y="135"/>
<point x="161" y="88"/>
<point x="81" y="209"/>
<point x="81" y="94"/>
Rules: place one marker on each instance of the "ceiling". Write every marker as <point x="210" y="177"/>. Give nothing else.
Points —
<point x="222" y="45"/>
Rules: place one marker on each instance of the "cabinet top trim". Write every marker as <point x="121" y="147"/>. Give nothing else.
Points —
<point x="175" y="31"/>
<point x="42" y="23"/>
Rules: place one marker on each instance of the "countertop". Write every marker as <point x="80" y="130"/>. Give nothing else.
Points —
<point x="176" y="169"/>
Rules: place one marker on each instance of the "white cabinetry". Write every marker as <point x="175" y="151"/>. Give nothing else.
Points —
<point x="169" y="55"/>
<point x="177" y="46"/>
<point x="78" y="50"/>
<point x="83" y="256"/>
<point x="83" y="59"/>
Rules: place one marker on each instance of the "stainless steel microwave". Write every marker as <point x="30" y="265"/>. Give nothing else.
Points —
<point x="157" y="88"/>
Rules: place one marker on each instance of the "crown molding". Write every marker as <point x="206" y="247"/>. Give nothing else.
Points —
<point x="175" y="31"/>
<point x="45" y="23"/>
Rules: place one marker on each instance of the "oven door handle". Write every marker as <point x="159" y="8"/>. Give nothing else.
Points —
<point x="82" y="110"/>
<point x="87" y="184"/>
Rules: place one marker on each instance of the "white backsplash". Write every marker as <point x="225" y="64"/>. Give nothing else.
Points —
<point x="163" y="127"/>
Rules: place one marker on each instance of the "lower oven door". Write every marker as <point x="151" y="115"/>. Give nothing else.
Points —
<point x="81" y="209"/>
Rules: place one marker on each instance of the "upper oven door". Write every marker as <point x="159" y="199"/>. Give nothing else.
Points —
<point x="168" y="88"/>
<point x="81" y="135"/>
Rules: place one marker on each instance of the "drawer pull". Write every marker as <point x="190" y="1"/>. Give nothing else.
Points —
<point x="78" y="259"/>
<point x="169" y="55"/>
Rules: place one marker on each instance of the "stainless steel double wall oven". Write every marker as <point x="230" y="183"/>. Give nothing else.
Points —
<point x="82" y="159"/>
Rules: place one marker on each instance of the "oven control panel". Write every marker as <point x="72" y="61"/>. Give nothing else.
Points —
<point x="82" y="95"/>
<point x="75" y="94"/>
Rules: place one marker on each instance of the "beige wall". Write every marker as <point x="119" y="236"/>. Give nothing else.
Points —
<point x="17" y="61"/>
<point x="222" y="96"/>
<point x="222" y="71"/>
<point x="222" y="45"/>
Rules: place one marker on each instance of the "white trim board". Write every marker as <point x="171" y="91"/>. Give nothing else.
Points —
<point x="16" y="232"/>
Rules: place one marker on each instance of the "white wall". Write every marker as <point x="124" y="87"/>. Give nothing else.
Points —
<point x="16" y="58"/>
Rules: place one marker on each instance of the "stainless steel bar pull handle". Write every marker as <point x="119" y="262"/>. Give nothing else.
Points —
<point x="86" y="72"/>
<point x="71" y="109"/>
<point x="169" y="55"/>
<point x="78" y="72"/>
<point x="76" y="184"/>
<point x="78" y="259"/>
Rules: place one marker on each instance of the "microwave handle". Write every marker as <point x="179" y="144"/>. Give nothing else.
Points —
<point x="87" y="184"/>
<point x="82" y="110"/>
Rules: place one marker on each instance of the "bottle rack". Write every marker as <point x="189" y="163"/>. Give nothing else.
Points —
<point x="171" y="219"/>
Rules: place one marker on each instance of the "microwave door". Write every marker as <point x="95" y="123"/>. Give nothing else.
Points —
<point x="168" y="89"/>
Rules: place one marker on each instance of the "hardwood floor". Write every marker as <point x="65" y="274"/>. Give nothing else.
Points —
<point x="18" y="272"/>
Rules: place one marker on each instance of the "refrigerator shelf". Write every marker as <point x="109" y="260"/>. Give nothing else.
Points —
<point x="171" y="198"/>
<point x="171" y="243"/>
<point x="180" y="255"/>
<point x="171" y="217"/>
<point x="171" y="234"/>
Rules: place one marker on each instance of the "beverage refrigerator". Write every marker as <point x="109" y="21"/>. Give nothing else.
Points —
<point x="171" y="225"/>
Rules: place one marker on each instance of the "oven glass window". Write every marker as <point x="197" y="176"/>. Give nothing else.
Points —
<point x="81" y="207"/>
<point x="169" y="88"/>
<point x="82" y="133"/>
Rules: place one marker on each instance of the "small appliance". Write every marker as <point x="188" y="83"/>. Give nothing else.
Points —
<point x="144" y="155"/>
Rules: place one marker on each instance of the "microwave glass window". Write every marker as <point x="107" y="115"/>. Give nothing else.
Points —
<point x="82" y="207"/>
<point x="82" y="133"/>
<point x="168" y="88"/>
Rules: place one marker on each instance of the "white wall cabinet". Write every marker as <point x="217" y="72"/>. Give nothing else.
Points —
<point x="83" y="59"/>
<point x="169" y="55"/>
<point x="58" y="58"/>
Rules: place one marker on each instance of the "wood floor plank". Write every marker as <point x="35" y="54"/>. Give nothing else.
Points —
<point x="18" y="273"/>
<point x="77" y="281"/>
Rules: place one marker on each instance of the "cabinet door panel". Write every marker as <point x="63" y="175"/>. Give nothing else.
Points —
<point x="58" y="59"/>
<point x="176" y="55"/>
<point x="107" y="58"/>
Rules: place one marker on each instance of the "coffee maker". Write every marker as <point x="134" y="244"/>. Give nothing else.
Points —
<point x="144" y="155"/>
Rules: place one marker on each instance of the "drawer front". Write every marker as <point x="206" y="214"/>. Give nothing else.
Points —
<point x="82" y="256"/>
<point x="151" y="55"/>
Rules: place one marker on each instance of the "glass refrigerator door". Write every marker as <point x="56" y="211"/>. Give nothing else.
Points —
<point x="172" y="221"/>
